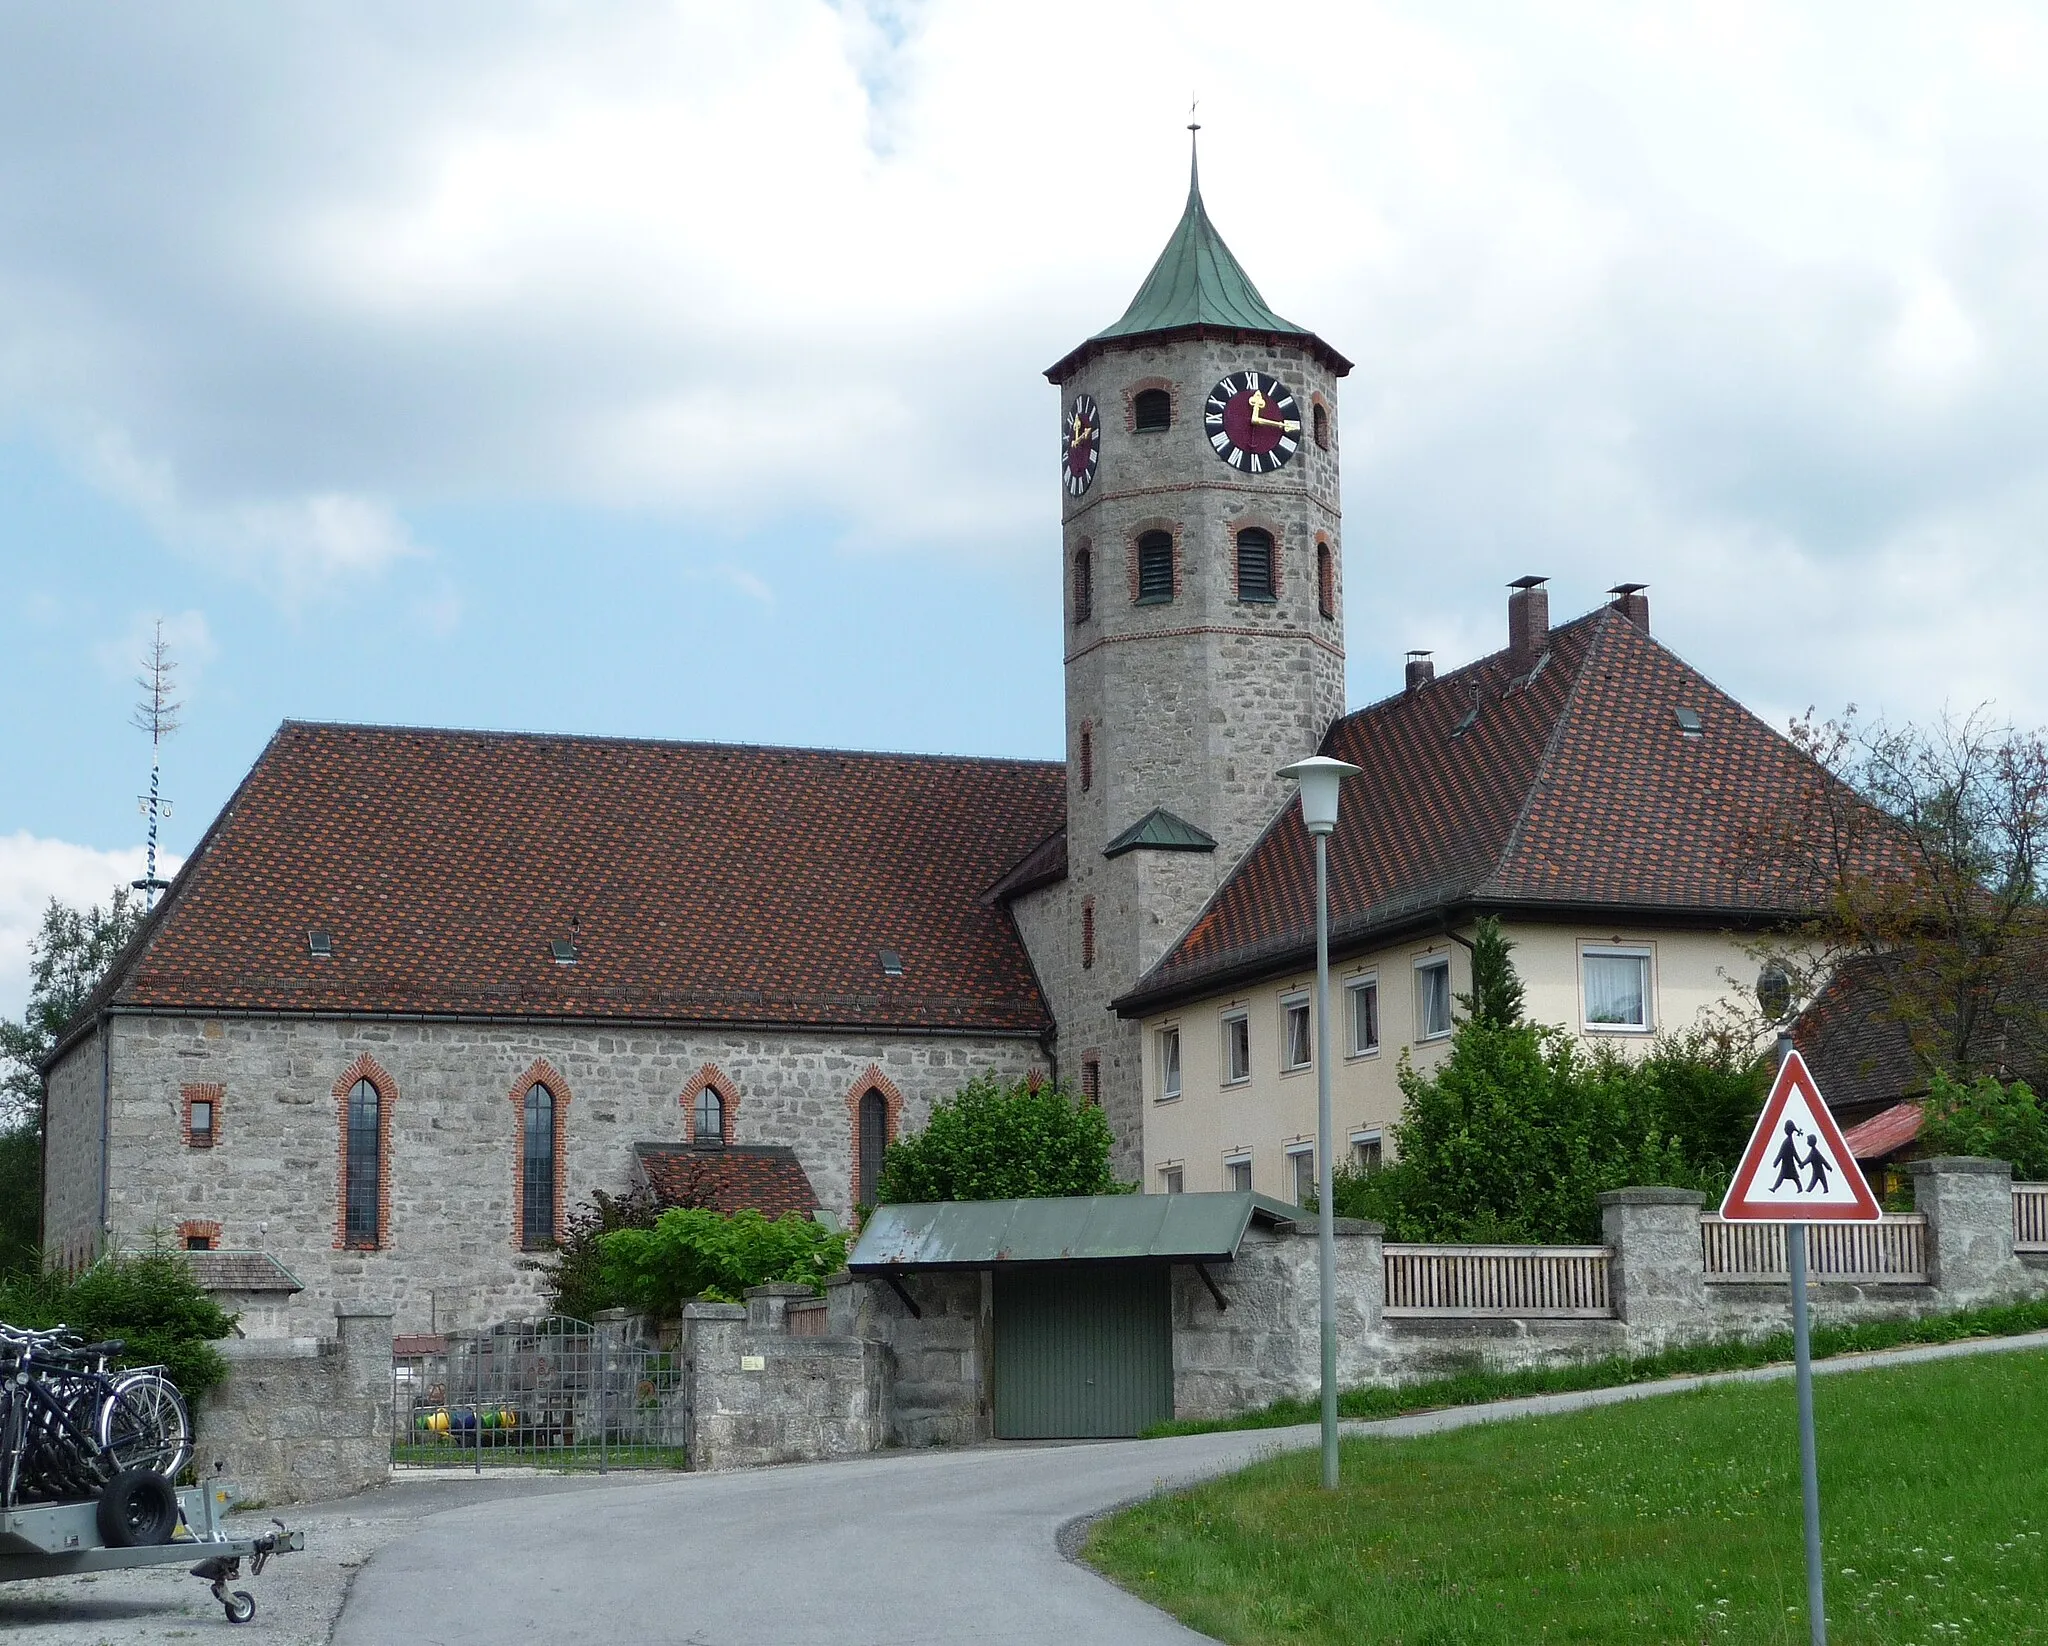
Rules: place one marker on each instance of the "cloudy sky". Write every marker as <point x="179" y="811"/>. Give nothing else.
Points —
<point x="673" y="369"/>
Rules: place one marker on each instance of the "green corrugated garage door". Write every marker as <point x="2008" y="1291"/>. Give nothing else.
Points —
<point x="1083" y="1351"/>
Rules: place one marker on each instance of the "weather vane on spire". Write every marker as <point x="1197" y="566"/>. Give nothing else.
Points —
<point x="156" y="714"/>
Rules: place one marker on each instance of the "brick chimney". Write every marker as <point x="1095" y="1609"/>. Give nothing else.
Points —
<point x="1528" y="621"/>
<point x="1632" y="603"/>
<point x="1421" y="670"/>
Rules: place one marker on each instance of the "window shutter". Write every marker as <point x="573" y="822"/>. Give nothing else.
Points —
<point x="1254" y="564"/>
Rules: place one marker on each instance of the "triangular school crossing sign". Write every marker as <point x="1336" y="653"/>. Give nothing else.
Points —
<point x="1797" y="1168"/>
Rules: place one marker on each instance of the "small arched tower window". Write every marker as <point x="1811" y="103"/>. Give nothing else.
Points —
<point x="1152" y="411"/>
<point x="364" y="1204"/>
<point x="1155" y="568"/>
<point x="1087" y="755"/>
<point x="1255" y="564"/>
<point x="1326" y="581"/>
<point x="874" y="1143"/>
<point x="537" y="1170"/>
<point x="1088" y="933"/>
<point x="708" y="1117"/>
<point x="1319" y="421"/>
<point x="1084" y="584"/>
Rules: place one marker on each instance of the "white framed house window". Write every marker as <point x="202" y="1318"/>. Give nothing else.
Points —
<point x="1362" y="1016"/>
<point x="1237" y="1048"/>
<point x="1301" y="1171"/>
<point x="1237" y="1173"/>
<point x="1169" y="1064"/>
<point x="1367" y="1151"/>
<point x="1172" y="1179"/>
<point x="1617" y="985"/>
<point x="1297" y="1046"/>
<point x="1433" y="997"/>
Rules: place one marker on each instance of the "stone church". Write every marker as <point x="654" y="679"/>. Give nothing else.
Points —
<point x="416" y="994"/>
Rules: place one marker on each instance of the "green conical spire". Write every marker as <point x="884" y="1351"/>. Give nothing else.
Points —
<point x="1197" y="282"/>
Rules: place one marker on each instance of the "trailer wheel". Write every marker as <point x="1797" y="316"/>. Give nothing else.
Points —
<point x="138" y="1509"/>
<point x="240" y="1606"/>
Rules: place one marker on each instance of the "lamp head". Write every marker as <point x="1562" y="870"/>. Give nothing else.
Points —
<point x="1774" y="992"/>
<point x="1319" y="778"/>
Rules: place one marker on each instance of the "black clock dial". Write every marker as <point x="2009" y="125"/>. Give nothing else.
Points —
<point x="1080" y="444"/>
<point x="1252" y="422"/>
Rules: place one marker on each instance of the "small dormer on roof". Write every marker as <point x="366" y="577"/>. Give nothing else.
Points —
<point x="1196" y="287"/>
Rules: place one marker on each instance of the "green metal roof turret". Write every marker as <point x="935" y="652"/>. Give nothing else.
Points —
<point x="1196" y="288"/>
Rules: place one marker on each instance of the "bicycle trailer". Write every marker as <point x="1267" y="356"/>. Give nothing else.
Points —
<point x="65" y="1539"/>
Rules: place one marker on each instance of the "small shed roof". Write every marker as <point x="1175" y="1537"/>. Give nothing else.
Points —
<point x="982" y="1234"/>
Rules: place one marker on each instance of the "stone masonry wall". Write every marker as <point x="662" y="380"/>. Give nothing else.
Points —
<point x="452" y="1256"/>
<point x="71" y="1158"/>
<point x="760" y="1396"/>
<point x="302" y="1418"/>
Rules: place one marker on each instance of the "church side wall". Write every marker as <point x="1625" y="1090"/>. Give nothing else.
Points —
<point x="71" y="1158"/>
<point x="452" y="1256"/>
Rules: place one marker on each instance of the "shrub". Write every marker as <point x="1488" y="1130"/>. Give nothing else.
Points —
<point x="991" y="1141"/>
<point x="150" y="1301"/>
<point x="1516" y="1133"/>
<point x="697" y="1253"/>
<point x="2004" y="1122"/>
<point x="575" y="1276"/>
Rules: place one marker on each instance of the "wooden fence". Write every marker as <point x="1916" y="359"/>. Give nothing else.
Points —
<point x="1894" y="1250"/>
<point x="1534" y="1282"/>
<point x="2030" y="1217"/>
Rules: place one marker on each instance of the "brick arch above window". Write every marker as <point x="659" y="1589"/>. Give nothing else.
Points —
<point x="212" y="1096"/>
<point x="728" y="1100"/>
<point x="199" y="1229"/>
<point x="364" y="1068"/>
<point x="871" y="1080"/>
<point x="541" y="1073"/>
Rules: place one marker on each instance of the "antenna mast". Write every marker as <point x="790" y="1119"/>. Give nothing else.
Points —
<point x="157" y="714"/>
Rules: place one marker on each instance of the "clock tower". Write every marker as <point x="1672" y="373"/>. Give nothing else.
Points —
<point x="1203" y="622"/>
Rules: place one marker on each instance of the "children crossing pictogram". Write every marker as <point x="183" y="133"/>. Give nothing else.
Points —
<point x="1797" y="1168"/>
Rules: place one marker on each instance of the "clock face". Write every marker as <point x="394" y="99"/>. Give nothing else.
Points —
<point x="1080" y="444"/>
<point x="1252" y="422"/>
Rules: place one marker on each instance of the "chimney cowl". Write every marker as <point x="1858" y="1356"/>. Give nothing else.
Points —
<point x="1632" y="603"/>
<point x="1528" y="621"/>
<point x="1421" y="671"/>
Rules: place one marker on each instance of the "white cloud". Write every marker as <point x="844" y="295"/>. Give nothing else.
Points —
<point x="34" y="870"/>
<point x="1744" y="301"/>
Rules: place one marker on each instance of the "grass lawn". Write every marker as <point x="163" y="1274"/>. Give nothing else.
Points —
<point x="1673" y="1519"/>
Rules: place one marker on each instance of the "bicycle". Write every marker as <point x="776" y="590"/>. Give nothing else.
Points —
<point x="70" y="1427"/>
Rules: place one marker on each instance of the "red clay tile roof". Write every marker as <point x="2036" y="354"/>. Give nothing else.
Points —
<point x="706" y="883"/>
<point x="1572" y="787"/>
<point x="1885" y="1133"/>
<point x="733" y="1178"/>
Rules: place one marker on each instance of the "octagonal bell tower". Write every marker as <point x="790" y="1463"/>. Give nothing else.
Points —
<point x="1204" y="633"/>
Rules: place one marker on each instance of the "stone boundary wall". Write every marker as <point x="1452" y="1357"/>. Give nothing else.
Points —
<point x="301" y="1418"/>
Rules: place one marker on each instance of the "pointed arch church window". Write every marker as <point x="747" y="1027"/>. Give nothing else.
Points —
<point x="1152" y="411"/>
<point x="537" y="1170"/>
<point x="1155" y="568"/>
<point x="365" y="1167"/>
<point x="1255" y="579"/>
<point x="708" y="1119"/>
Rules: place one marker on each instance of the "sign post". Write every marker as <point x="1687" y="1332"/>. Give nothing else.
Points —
<point x="1797" y="1170"/>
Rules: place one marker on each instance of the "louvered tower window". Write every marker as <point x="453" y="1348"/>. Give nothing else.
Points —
<point x="1152" y="411"/>
<point x="1084" y="586"/>
<point x="1326" y="581"/>
<point x="537" y="1170"/>
<point x="1155" y="568"/>
<point x="1255" y="564"/>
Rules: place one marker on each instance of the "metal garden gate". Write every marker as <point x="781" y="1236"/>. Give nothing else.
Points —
<point x="1082" y="1351"/>
<point x="554" y="1393"/>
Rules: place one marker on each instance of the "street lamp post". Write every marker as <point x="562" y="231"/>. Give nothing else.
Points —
<point x="1319" y="779"/>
